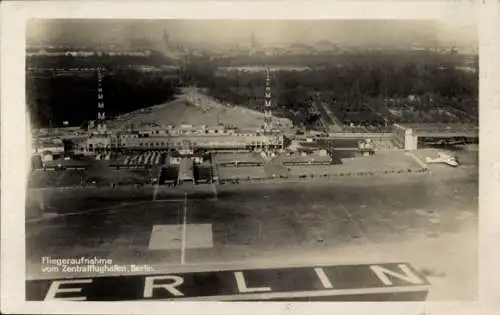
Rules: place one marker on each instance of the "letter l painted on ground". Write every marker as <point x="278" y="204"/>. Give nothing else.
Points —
<point x="242" y="285"/>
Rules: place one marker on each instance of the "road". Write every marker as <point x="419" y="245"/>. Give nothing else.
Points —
<point x="377" y="112"/>
<point x="337" y="124"/>
<point x="424" y="221"/>
<point x="330" y="123"/>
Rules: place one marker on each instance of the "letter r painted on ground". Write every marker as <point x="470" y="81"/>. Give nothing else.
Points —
<point x="242" y="285"/>
<point x="149" y="285"/>
<point x="408" y="276"/>
<point x="55" y="288"/>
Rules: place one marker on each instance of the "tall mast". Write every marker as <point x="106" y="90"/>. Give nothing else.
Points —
<point x="101" y="123"/>
<point x="267" y="105"/>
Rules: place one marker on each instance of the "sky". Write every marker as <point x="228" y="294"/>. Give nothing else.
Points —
<point x="267" y="32"/>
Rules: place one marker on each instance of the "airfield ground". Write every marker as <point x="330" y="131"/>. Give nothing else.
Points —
<point x="428" y="221"/>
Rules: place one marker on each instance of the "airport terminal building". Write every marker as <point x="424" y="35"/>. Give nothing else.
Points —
<point x="161" y="139"/>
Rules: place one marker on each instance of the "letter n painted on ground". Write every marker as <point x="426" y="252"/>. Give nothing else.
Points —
<point x="408" y="276"/>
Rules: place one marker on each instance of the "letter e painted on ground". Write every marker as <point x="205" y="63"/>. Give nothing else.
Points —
<point x="407" y="275"/>
<point x="55" y="289"/>
<point x="149" y="285"/>
<point x="242" y="285"/>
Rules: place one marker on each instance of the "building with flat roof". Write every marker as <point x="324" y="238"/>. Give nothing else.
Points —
<point x="52" y="145"/>
<point x="169" y="175"/>
<point x="238" y="159"/>
<point x="184" y="141"/>
<point x="296" y="159"/>
<point x="407" y="136"/>
<point x="186" y="170"/>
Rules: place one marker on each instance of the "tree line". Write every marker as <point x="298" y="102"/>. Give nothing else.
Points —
<point x="357" y="79"/>
<point x="348" y="58"/>
<point x="53" y="100"/>
<point x="349" y="87"/>
<point x="111" y="62"/>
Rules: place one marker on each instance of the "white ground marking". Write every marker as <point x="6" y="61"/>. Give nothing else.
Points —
<point x="155" y="191"/>
<point x="299" y="294"/>
<point x="164" y="237"/>
<point x="48" y="216"/>
<point x="349" y="215"/>
<point x="184" y="230"/>
<point x="419" y="161"/>
<point x="214" y="190"/>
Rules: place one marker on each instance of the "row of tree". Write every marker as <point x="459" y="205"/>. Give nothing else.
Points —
<point x="53" y="100"/>
<point x="350" y="87"/>
<point x="374" y="58"/>
<point x="111" y="62"/>
<point x="355" y="81"/>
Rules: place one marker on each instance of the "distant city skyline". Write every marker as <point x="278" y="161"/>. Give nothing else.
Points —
<point x="426" y="33"/>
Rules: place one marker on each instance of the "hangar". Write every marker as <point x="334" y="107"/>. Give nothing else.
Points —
<point x="411" y="136"/>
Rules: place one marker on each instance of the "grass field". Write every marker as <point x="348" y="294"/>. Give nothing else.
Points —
<point x="104" y="176"/>
<point x="381" y="161"/>
<point x="242" y="172"/>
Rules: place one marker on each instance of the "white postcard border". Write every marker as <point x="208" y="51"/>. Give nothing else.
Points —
<point x="14" y="163"/>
